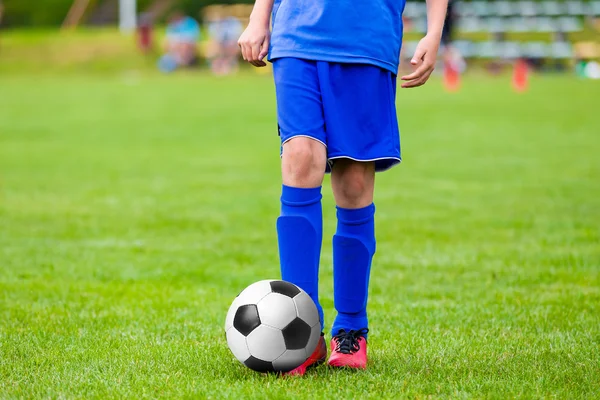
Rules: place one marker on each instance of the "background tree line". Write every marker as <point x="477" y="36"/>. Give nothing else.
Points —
<point x="50" y="13"/>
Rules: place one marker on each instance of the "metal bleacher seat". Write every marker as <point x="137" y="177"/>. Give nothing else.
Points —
<point x="594" y="8"/>
<point x="552" y="8"/>
<point x="510" y="50"/>
<point x="466" y="48"/>
<point x="463" y="8"/>
<point x="495" y="25"/>
<point x="470" y="24"/>
<point x="529" y="8"/>
<point x="488" y="49"/>
<point x="531" y="24"/>
<point x="561" y="50"/>
<point x="570" y="24"/>
<point x="575" y="7"/>
<point x="534" y="50"/>
<point x="519" y="24"/>
<point x="420" y="25"/>
<point x="505" y="8"/>
<point x="546" y="24"/>
<point x="482" y="8"/>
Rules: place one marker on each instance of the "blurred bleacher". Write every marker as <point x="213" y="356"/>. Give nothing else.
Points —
<point x="502" y="29"/>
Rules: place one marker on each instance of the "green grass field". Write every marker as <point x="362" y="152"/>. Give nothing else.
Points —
<point x="133" y="208"/>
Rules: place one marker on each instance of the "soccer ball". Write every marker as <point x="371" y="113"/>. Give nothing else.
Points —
<point x="272" y="326"/>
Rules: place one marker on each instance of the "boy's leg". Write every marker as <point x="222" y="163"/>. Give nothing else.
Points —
<point x="303" y="164"/>
<point x="354" y="241"/>
<point x="300" y="225"/>
<point x="362" y="137"/>
<point x="353" y="249"/>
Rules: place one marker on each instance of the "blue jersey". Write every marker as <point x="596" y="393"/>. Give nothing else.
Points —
<point x="346" y="31"/>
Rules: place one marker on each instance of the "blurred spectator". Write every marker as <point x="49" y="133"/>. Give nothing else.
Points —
<point x="224" y="31"/>
<point x="448" y="30"/>
<point x="145" y="32"/>
<point x="450" y="54"/>
<point x="183" y="34"/>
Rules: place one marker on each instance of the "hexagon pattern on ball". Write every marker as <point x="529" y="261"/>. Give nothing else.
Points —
<point x="266" y="343"/>
<point x="250" y="295"/>
<point x="253" y="293"/>
<point x="296" y="335"/>
<point x="259" y="365"/>
<point x="237" y="343"/>
<point x="276" y="310"/>
<point x="290" y="360"/>
<point x="284" y="288"/>
<point x="246" y="319"/>
<point x="306" y="308"/>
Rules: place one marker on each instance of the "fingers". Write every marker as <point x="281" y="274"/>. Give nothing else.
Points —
<point x="418" y="57"/>
<point x="254" y="50"/>
<point x="257" y="56"/>
<point x="421" y="75"/>
<point x="420" y="81"/>
<point x="260" y="52"/>
<point x="243" y="49"/>
<point x="416" y="74"/>
<point x="264" y="50"/>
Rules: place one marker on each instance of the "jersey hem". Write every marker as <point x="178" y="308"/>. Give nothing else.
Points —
<point x="316" y="56"/>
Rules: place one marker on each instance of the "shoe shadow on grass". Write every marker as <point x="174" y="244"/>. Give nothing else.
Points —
<point x="324" y="370"/>
<point x="239" y="372"/>
<point x="233" y="369"/>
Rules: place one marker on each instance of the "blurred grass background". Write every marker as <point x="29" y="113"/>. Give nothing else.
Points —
<point x="87" y="50"/>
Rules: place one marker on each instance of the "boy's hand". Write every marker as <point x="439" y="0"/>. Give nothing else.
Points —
<point x="254" y="43"/>
<point x="424" y="59"/>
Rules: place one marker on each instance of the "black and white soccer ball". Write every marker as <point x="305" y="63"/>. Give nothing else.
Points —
<point x="272" y="326"/>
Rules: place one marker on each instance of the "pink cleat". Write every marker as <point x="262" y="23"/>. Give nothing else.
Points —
<point x="316" y="358"/>
<point x="349" y="349"/>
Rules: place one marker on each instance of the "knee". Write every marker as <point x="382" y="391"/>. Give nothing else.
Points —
<point x="303" y="162"/>
<point x="353" y="184"/>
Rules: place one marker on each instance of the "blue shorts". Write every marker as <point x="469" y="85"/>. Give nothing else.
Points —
<point x="350" y="108"/>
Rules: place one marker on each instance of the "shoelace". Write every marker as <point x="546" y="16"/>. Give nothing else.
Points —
<point x="347" y="342"/>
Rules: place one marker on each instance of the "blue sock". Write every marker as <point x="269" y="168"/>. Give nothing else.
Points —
<point x="300" y="234"/>
<point x="353" y="250"/>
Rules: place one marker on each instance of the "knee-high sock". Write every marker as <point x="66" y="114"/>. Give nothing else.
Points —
<point x="353" y="250"/>
<point x="300" y="234"/>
